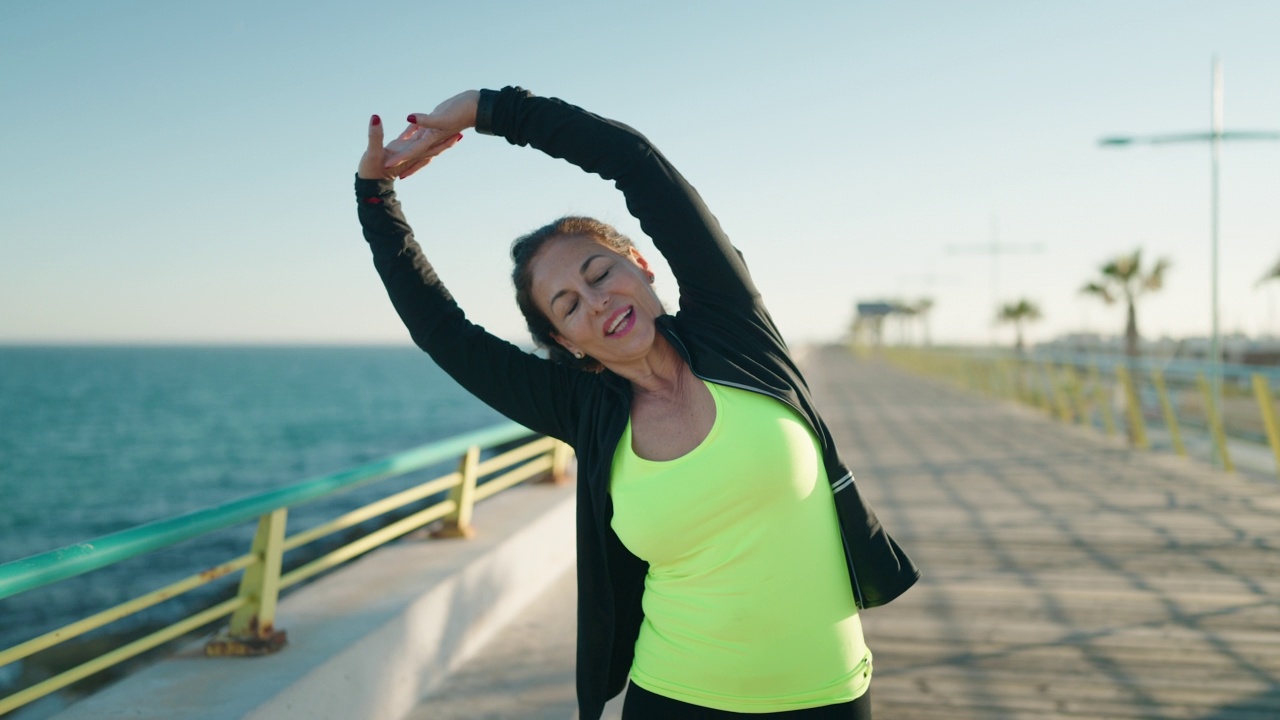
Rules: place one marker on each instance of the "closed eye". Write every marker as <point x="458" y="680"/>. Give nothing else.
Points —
<point x="585" y="267"/>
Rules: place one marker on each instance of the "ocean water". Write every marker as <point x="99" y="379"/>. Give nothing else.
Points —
<point x="99" y="439"/>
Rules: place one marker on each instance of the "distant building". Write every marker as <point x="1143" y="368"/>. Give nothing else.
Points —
<point x="868" y="322"/>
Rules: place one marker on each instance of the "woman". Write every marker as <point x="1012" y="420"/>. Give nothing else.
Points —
<point x="723" y="548"/>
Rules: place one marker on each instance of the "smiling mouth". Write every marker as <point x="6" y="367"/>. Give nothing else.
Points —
<point x="620" y="321"/>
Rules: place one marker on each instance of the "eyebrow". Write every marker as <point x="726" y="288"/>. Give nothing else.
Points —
<point x="582" y="270"/>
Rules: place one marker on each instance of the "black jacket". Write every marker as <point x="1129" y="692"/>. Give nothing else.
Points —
<point x="722" y="329"/>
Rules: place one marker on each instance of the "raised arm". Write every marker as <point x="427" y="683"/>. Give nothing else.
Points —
<point x="530" y="390"/>
<point x="707" y="267"/>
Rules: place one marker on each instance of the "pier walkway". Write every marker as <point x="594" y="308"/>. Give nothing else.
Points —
<point x="1065" y="576"/>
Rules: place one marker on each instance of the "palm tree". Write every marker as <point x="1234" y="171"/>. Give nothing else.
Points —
<point x="1124" y="277"/>
<point x="1018" y="313"/>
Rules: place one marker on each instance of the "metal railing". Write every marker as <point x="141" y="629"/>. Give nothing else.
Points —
<point x="252" y="626"/>
<point x="1118" y="393"/>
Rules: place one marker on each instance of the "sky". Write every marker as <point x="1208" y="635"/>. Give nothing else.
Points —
<point x="181" y="172"/>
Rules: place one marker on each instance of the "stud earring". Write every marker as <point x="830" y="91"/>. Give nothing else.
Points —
<point x="578" y="354"/>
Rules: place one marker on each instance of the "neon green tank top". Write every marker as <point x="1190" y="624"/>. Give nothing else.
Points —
<point x="747" y="602"/>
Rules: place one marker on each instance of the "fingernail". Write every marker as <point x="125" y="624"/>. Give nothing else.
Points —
<point x="413" y="119"/>
<point x="375" y="120"/>
<point x="459" y="138"/>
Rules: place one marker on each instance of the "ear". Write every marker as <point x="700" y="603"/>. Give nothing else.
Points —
<point x="643" y="264"/>
<point x="573" y="349"/>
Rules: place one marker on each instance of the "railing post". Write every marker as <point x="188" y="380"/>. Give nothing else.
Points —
<point x="1032" y="387"/>
<point x="1170" y="417"/>
<point x="559" y="473"/>
<point x="1060" y="397"/>
<point x="1046" y="388"/>
<point x="1263" y="392"/>
<point x="560" y="454"/>
<point x="1103" y="398"/>
<point x="1214" y="419"/>
<point x="1021" y="391"/>
<point x="1050" y="388"/>
<point x="1137" y="428"/>
<point x="457" y="524"/>
<point x="253" y="630"/>
<point x="1075" y="390"/>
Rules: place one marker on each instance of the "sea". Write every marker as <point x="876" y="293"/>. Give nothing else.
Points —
<point x="97" y="439"/>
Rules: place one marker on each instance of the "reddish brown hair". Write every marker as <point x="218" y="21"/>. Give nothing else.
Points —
<point x="523" y="251"/>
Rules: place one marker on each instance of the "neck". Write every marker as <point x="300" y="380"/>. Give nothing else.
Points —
<point x="659" y="373"/>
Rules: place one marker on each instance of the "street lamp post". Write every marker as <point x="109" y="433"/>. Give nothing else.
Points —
<point x="1215" y="138"/>
<point x="995" y="249"/>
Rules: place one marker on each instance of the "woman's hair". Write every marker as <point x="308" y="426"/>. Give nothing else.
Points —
<point x="526" y="247"/>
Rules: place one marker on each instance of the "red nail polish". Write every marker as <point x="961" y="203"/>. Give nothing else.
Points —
<point x="413" y="119"/>
<point x="375" y="120"/>
<point x="459" y="138"/>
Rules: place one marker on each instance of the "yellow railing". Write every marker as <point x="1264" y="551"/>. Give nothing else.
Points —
<point x="252" y="630"/>
<point x="1089" y="390"/>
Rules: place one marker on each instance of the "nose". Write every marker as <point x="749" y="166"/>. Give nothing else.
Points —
<point x="597" y="300"/>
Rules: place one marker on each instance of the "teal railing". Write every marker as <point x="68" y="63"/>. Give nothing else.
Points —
<point x="252" y="610"/>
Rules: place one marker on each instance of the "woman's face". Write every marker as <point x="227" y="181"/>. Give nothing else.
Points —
<point x="601" y="302"/>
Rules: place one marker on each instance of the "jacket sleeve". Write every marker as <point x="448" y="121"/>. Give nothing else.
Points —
<point x="708" y="269"/>
<point x="530" y="390"/>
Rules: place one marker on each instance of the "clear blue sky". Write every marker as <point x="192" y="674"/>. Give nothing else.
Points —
<point x="181" y="171"/>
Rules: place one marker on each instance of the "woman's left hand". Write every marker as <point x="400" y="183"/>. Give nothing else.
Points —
<point x="415" y="148"/>
<point x="412" y="150"/>
<point x="426" y="144"/>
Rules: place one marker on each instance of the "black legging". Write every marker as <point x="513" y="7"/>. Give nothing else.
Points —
<point x="644" y="705"/>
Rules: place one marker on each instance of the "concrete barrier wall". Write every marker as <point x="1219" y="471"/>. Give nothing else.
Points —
<point x="371" y="639"/>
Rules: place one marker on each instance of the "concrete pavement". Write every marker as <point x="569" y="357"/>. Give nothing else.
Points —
<point x="526" y="671"/>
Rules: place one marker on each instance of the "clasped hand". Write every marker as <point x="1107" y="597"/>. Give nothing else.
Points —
<point x="428" y="135"/>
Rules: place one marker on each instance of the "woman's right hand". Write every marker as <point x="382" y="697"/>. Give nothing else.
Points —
<point x="371" y="162"/>
<point x="448" y="120"/>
